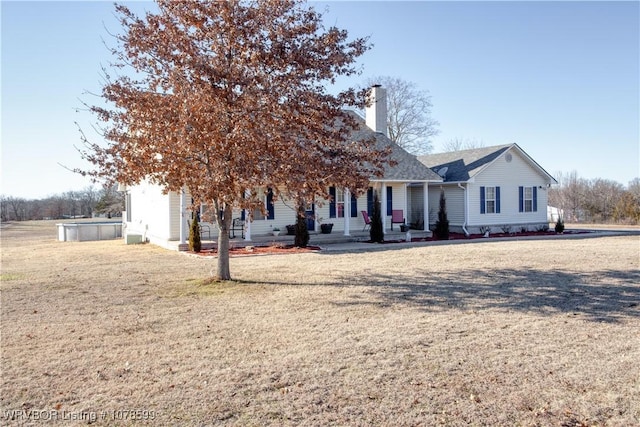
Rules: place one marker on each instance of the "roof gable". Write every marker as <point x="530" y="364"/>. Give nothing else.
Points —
<point x="466" y="164"/>
<point x="407" y="166"/>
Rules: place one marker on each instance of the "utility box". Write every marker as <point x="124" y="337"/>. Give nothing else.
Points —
<point x="133" y="239"/>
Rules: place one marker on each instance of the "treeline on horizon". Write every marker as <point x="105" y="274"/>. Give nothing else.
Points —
<point x="85" y="203"/>
<point x="583" y="200"/>
<point x="595" y="200"/>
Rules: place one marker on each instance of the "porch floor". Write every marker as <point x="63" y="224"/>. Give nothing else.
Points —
<point x="315" y="239"/>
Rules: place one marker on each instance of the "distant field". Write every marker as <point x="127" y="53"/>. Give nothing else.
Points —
<point x="530" y="333"/>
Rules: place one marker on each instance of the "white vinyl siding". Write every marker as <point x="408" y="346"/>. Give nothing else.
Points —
<point x="454" y="196"/>
<point x="509" y="176"/>
<point x="150" y="213"/>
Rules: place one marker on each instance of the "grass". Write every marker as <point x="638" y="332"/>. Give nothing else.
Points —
<point x="530" y="333"/>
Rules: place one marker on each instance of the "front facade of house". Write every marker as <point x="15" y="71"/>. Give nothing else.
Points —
<point x="163" y="218"/>
<point x="498" y="188"/>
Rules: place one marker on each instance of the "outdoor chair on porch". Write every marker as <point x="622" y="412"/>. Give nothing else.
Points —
<point x="237" y="224"/>
<point x="367" y="220"/>
<point x="204" y="229"/>
<point x="397" y="217"/>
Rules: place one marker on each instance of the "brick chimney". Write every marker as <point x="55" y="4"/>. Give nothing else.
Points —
<point x="376" y="112"/>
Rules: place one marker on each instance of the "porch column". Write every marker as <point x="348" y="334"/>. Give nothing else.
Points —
<point x="247" y="227"/>
<point x="247" y="221"/>
<point x="183" y="216"/>
<point x="347" y="211"/>
<point x="383" y="207"/>
<point x="425" y="189"/>
<point x="405" y="208"/>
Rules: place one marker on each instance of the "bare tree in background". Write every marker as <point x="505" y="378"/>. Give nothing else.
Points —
<point x="458" y="144"/>
<point x="408" y="114"/>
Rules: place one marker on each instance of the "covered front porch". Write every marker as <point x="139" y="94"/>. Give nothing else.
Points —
<point x="316" y="239"/>
<point x="402" y="203"/>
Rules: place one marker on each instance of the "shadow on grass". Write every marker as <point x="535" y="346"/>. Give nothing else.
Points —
<point x="605" y="296"/>
<point x="602" y="296"/>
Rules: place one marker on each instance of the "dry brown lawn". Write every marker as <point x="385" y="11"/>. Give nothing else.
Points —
<point x="529" y="333"/>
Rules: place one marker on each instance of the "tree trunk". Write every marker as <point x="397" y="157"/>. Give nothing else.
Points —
<point x="223" y="271"/>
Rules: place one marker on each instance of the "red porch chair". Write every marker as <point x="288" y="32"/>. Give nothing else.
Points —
<point x="367" y="220"/>
<point x="397" y="217"/>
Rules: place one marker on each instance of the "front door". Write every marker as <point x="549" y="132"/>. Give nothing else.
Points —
<point x="311" y="217"/>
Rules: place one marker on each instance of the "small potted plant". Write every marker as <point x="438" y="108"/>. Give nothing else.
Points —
<point x="326" y="228"/>
<point x="275" y="231"/>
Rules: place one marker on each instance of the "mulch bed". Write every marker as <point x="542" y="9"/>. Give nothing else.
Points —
<point x="260" y="250"/>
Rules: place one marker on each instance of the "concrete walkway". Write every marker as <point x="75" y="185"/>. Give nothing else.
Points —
<point x="569" y="234"/>
<point x="357" y="242"/>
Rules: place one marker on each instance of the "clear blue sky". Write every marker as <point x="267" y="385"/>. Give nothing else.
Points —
<point x="562" y="79"/>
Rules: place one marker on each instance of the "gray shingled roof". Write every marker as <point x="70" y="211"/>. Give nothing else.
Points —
<point x="465" y="164"/>
<point x="407" y="167"/>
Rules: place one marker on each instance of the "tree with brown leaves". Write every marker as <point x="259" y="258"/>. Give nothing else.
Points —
<point x="225" y="98"/>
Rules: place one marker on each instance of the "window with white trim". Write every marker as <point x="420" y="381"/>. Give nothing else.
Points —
<point x="528" y="199"/>
<point x="257" y="212"/>
<point x="490" y="199"/>
<point x="339" y="202"/>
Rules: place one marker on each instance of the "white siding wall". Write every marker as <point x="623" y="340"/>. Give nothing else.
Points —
<point x="399" y="200"/>
<point x="175" y="217"/>
<point x="454" y="196"/>
<point x="150" y="213"/>
<point x="157" y="217"/>
<point x="416" y="204"/>
<point x="509" y="176"/>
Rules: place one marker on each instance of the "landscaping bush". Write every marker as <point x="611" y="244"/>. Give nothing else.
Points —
<point x="195" y="244"/>
<point x="376" y="232"/>
<point x="302" y="233"/>
<point x="442" y="225"/>
<point x="560" y="226"/>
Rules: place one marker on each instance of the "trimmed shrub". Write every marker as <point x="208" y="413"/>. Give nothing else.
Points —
<point x="195" y="244"/>
<point x="560" y="226"/>
<point x="376" y="232"/>
<point x="302" y="233"/>
<point x="442" y="225"/>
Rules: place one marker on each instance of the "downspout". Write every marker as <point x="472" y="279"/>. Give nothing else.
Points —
<point x="183" y="216"/>
<point x="466" y="209"/>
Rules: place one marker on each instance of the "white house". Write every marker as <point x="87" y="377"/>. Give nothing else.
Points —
<point x="495" y="187"/>
<point x="163" y="218"/>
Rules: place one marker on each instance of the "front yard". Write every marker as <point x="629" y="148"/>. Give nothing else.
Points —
<point x="543" y="332"/>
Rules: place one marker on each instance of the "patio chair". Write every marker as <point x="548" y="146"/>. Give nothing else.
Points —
<point x="367" y="220"/>
<point x="237" y="224"/>
<point x="397" y="217"/>
<point x="204" y="228"/>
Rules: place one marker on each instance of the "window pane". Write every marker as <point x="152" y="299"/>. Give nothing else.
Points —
<point x="528" y="193"/>
<point x="491" y="206"/>
<point x="528" y="205"/>
<point x="491" y="193"/>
